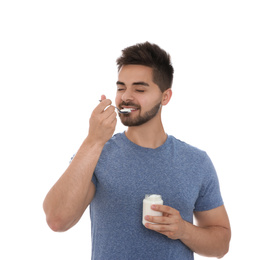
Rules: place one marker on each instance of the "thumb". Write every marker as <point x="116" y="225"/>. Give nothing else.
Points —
<point x="103" y="97"/>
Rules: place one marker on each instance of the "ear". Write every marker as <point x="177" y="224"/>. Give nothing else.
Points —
<point x="166" y="96"/>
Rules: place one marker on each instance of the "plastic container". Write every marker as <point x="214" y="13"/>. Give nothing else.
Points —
<point x="147" y="202"/>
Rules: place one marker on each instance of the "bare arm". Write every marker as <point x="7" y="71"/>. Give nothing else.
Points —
<point x="67" y="200"/>
<point x="210" y="237"/>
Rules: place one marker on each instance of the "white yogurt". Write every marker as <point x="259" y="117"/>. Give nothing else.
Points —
<point x="126" y="110"/>
<point x="147" y="202"/>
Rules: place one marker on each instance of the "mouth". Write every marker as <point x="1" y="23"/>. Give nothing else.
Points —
<point x="130" y="108"/>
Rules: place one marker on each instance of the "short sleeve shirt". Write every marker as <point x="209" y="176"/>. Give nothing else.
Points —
<point x="183" y="175"/>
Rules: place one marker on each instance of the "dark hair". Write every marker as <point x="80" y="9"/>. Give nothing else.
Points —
<point x="150" y="55"/>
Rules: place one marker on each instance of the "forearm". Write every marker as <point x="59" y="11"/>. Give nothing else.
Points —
<point x="207" y="241"/>
<point x="67" y="199"/>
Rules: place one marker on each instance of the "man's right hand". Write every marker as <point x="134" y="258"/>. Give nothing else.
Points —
<point x="102" y="122"/>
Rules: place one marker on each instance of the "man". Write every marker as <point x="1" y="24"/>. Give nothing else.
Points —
<point x="113" y="174"/>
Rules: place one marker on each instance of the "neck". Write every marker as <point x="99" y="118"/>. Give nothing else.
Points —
<point x="149" y="135"/>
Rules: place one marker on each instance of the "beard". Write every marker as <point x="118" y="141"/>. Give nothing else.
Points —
<point x="140" y="119"/>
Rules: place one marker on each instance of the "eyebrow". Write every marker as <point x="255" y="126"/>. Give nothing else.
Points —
<point x="120" y="83"/>
<point x="141" y="83"/>
<point x="134" y="84"/>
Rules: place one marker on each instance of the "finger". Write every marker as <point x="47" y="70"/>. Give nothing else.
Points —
<point x="159" y="220"/>
<point x="110" y="111"/>
<point x="167" y="230"/>
<point x="164" y="209"/>
<point x="111" y="117"/>
<point x="158" y="228"/>
<point x="102" y="105"/>
<point x="103" y="97"/>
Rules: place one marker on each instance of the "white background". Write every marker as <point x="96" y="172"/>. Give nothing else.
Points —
<point x="58" y="57"/>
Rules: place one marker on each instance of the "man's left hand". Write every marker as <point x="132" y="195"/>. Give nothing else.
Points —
<point x="170" y="224"/>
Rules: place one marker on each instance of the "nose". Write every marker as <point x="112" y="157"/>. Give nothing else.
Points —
<point x="127" y="96"/>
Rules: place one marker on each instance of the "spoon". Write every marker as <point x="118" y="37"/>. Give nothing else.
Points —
<point x="122" y="111"/>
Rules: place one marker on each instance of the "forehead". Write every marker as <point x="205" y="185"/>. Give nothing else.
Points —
<point x="135" y="73"/>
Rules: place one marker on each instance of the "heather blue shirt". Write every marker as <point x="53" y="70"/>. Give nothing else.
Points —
<point x="182" y="174"/>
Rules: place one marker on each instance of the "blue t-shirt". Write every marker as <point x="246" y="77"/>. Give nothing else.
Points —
<point x="183" y="175"/>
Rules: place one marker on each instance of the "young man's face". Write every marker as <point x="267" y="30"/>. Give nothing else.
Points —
<point x="136" y="90"/>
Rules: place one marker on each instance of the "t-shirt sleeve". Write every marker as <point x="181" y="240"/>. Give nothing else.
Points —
<point x="209" y="195"/>
<point x="94" y="180"/>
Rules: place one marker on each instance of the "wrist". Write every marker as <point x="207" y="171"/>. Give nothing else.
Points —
<point x="91" y="142"/>
<point x="186" y="227"/>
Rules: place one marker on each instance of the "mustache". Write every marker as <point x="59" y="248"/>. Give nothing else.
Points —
<point x="129" y="104"/>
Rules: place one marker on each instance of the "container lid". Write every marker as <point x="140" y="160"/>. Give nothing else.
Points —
<point x="153" y="197"/>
